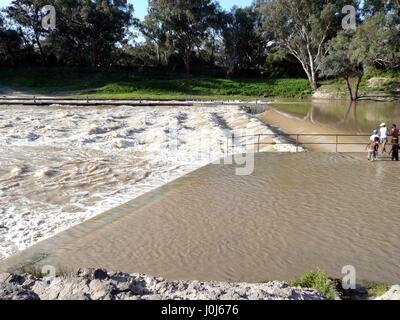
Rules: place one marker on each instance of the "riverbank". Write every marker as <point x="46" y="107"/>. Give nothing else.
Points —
<point x="125" y="84"/>
<point x="122" y="84"/>
<point x="379" y="88"/>
<point x="98" y="284"/>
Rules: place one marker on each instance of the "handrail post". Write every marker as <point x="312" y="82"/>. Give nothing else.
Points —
<point x="227" y="146"/>
<point x="337" y="143"/>
<point x="297" y="143"/>
<point x="233" y="143"/>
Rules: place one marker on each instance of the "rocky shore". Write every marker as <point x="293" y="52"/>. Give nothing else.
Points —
<point x="98" y="284"/>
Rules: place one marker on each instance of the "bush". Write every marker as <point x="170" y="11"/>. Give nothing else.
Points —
<point x="317" y="280"/>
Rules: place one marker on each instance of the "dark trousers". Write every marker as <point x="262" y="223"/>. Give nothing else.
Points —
<point x="395" y="156"/>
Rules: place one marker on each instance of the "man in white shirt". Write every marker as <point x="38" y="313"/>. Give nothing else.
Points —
<point x="384" y="136"/>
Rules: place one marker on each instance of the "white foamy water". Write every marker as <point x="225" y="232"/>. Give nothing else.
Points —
<point x="60" y="166"/>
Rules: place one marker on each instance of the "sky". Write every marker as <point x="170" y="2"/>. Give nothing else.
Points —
<point x="141" y="5"/>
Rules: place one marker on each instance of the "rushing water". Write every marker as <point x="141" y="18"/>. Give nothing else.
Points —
<point x="296" y="212"/>
<point x="62" y="165"/>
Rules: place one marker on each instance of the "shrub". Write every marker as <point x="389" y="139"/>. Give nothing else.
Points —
<point x="317" y="280"/>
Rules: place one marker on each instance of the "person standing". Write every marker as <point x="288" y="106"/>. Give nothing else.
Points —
<point x="395" y="132"/>
<point x="373" y="148"/>
<point x="395" y="150"/>
<point x="384" y="136"/>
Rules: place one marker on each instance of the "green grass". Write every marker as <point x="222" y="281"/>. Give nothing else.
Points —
<point x="375" y="289"/>
<point x="317" y="280"/>
<point x="37" y="271"/>
<point x="121" y="84"/>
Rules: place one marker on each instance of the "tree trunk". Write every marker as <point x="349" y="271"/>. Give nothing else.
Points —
<point x="313" y="80"/>
<point x="354" y="95"/>
<point x="42" y="56"/>
<point x="349" y="88"/>
<point x="359" y="78"/>
<point x="311" y="75"/>
<point x="93" y="54"/>
<point x="186" y="62"/>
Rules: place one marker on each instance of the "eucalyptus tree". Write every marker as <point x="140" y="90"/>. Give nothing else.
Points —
<point x="377" y="41"/>
<point x="303" y="28"/>
<point x="184" y="24"/>
<point x="342" y="62"/>
<point x="90" y="28"/>
<point x="244" y="41"/>
<point x="11" y="44"/>
<point x="28" y="14"/>
<point x="374" y="44"/>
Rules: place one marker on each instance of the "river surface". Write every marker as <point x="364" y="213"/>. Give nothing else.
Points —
<point x="331" y="117"/>
<point x="295" y="213"/>
<point x="60" y="166"/>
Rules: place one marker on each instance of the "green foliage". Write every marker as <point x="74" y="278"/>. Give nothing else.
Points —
<point x="118" y="84"/>
<point x="376" y="290"/>
<point x="198" y="35"/>
<point x="303" y="28"/>
<point x="205" y="88"/>
<point x="182" y="25"/>
<point x="244" y="41"/>
<point x="317" y="280"/>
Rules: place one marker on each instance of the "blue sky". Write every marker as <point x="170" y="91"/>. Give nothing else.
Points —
<point x="141" y="5"/>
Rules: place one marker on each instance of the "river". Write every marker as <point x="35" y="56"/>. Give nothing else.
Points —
<point x="331" y="117"/>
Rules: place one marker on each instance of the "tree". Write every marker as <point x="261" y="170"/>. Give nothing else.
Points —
<point x="156" y="36"/>
<point x="244" y="43"/>
<point x="341" y="62"/>
<point x="304" y="28"/>
<point x="375" y="44"/>
<point x="28" y="14"/>
<point x="90" y="28"/>
<point x="184" y="24"/>
<point x="372" y="7"/>
<point x="377" y="41"/>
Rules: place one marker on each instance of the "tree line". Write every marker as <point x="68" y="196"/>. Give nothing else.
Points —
<point x="297" y="37"/>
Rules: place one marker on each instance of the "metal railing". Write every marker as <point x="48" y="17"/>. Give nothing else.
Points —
<point x="295" y="140"/>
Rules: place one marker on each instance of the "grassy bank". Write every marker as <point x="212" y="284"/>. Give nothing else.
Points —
<point x="123" y="84"/>
<point x="376" y="84"/>
<point x="332" y="288"/>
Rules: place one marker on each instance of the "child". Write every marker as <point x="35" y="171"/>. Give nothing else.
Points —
<point x="373" y="148"/>
<point x="395" y="150"/>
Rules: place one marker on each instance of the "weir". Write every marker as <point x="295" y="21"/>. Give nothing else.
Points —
<point x="353" y="142"/>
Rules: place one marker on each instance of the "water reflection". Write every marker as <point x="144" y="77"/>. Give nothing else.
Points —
<point x="357" y="117"/>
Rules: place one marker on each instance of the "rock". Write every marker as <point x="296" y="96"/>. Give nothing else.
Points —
<point x="12" y="288"/>
<point x="392" y="294"/>
<point x="100" y="274"/>
<point x="9" y="291"/>
<point x="98" y="284"/>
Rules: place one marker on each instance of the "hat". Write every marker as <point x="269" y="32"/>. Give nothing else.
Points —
<point x="383" y="124"/>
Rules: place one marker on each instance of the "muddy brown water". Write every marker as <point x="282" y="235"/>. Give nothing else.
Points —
<point x="296" y="212"/>
<point x="331" y="117"/>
